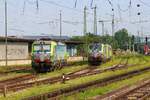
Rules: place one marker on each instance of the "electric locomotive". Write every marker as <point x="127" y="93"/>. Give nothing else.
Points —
<point x="99" y="53"/>
<point x="48" y="55"/>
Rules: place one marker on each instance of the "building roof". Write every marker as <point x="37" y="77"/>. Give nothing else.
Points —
<point x="34" y="38"/>
<point x="64" y="39"/>
<point x="48" y="37"/>
<point x="15" y="39"/>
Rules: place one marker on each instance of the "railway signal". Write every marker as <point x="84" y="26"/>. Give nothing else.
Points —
<point x="146" y="40"/>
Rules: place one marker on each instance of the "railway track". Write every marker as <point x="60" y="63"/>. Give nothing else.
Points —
<point x="16" y="69"/>
<point x="138" y="91"/>
<point x="20" y="83"/>
<point x="67" y="91"/>
<point x="26" y="81"/>
<point x="29" y="68"/>
<point x="16" y="80"/>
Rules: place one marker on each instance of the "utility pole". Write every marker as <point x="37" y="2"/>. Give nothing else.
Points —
<point x="85" y="24"/>
<point x="95" y="21"/>
<point x="6" y="48"/>
<point x="60" y="25"/>
<point x="85" y="33"/>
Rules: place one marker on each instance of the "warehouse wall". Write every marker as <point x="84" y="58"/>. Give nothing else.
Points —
<point x="16" y="50"/>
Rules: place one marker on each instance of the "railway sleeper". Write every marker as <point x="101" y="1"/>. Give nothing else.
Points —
<point x="136" y="94"/>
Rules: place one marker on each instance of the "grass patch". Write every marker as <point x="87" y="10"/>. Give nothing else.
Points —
<point x="43" y="75"/>
<point x="133" y="59"/>
<point x="3" y="69"/>
<point x="65" y="70"/>
<point x="115" y="60"/>
<point x="103" y="90"/>
<point x="11" y="75"/>
<point x="68" y="69"/>
<point x="47" y="88"/>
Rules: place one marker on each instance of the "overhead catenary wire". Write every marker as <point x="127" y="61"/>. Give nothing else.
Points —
<point x="66" y="7"/>
<point x="123" y="10"/>
<point x="15" y="29"/>
<point x="127" y="9"/>
<point x="110" y="3"/>
<point x="73" y="23"/>
<point x="36" y="3"/>
<point x="30" y="2"/>
<point x="144" y="3"/>
<point x="67" y="21"/>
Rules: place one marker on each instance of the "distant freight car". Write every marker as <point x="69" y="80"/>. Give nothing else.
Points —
<point x="99" y="53"/>
<point x="48" y="55"/>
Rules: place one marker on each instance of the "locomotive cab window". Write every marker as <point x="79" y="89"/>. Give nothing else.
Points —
<point x="95" y="47"/>
<point x="39" y="48"/>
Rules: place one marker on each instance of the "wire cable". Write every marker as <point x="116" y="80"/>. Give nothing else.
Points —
<point x="35" y="2"/>
<point x="110" y="3"/>
<point x="69" y="8"/>
<point x="30" y="2"/>
<point x="125" y="10"/>
<point x="146" y="4"/>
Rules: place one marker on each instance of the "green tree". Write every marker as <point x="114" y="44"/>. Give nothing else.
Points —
<point x="122" y="38"/>
<point x="86" y="39"/>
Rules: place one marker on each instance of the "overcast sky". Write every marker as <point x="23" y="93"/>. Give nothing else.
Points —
<point x="24" y="19"/>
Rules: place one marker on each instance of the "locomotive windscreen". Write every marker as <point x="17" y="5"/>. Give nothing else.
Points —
<point x="41" y="47"/>
<point x="95" y="47"/>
